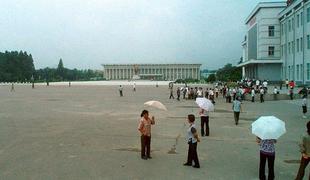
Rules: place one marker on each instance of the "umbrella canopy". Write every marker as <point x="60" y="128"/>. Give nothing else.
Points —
<point x="156" y="104"/>
<point x="205" y="104"/>
<point x="268" y="127"/>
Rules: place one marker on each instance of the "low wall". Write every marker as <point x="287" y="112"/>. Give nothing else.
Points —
<point x="272" y="97"/>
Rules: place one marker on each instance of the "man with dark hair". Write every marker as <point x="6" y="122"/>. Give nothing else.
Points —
<point x="145" y="129"/>
<point x="192" y="139"/>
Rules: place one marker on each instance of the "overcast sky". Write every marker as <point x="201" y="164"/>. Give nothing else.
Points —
<point x="88" y="33"/>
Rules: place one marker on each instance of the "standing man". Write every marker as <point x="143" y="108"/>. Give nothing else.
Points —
<point x="120" y="90"/>
<point x="171" y="93"/>
<point x="253" y="94"/>
<point x="192" y="139"/>
<point x="236" y="107"/>
<point x="12" y="87"/>
<point x="204" y="117"/>
<point x="178" y="94"/>
<point x="134" y="87"/>
<point x="286" y="83"/>
<point x="261" y="92"/>
<point x="145" y="130"/>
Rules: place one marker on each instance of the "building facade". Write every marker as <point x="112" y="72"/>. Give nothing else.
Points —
<point x="261" y="46"/>
<point x="295" y="41"/>
<point x="169" y="72"/>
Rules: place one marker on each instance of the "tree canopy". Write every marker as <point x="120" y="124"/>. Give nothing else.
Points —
<point x="229" y="73"/>
<point x="16" y="66"/>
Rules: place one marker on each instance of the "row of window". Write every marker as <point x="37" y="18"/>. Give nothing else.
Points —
<point x="299" y="21"/>
<point x="299" y="45"/>
<point x="299" y="71"/>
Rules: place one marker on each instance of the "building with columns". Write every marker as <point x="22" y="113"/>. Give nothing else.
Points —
<point x="168" y="72"/>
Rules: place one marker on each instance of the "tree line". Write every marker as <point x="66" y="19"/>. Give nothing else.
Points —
<point x="228" y="73"/>
<point x="18" y="67"/>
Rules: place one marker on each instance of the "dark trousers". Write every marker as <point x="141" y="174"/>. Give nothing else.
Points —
<point x="262" y="98"/>
<point x="291" y="96"/>
<point x="171" y="96"/>
<point x="253" y="98"/>
<point x="301" y="172"/>
<point x="204" y="122"/>
<point x="192" y="154"/>
<point x="236" y="116"/>
<point x="145" y="146"/>
<point x="262" y="164"/>
<point x="178" y="98"/>
<point x="120" y="93"/>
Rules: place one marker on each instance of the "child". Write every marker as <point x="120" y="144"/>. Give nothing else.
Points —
<point x="304" y="106"/>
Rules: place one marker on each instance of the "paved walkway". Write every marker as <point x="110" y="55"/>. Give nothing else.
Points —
<point x="89" y="132"/>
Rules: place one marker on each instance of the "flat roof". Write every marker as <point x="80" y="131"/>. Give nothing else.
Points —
<point x="254" y="61"/>
<point x="281" y="4"/>
<point x="146" y="64"/>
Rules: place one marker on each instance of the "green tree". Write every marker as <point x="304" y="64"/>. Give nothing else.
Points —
<point x="61" y="70"/>
<point x="229" y="73"/>
<point x="211" y="78"/>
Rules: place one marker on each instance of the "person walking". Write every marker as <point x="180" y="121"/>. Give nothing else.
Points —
<point x="192" y="140"/>
<point x="267" y="153"/>
<point x="305" y="154"/>
<point x="145" y="129"/>
<point x="120" y="89"/>
<point x="236" y="107"/>
<point x="204" y="117"/>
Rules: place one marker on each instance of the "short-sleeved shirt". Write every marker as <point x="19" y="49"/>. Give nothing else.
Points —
<point x="305" y="144"/>
<point x="267" y="146"/>
<point x="145" y="126"/>
<point x="190" y="134"/>
<point x="236" y="106"/>
<point x="304" y="102"/>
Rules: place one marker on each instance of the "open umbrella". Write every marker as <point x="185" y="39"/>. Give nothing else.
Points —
<point x="268" y="127"/>
<point x="205" y="104"/>
<point x="156" y="104"/>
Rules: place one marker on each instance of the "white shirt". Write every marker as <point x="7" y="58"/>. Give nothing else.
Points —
<point x="265" y="83"/>
<point x="275" y="91"/>
<point x="257" y="82"/>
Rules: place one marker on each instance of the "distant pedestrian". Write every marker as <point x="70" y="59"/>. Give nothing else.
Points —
<point x="304" y="106"/>
<point x="12" y="87"/>
<point x="286" y="83"/>
<point x="69" y="83"/>
<point x="305" y="154"/>
<point x="120" y="90"/>
<point x="253" y="94"/>
<point x="262" y="92"/>
<point x="237" y="109"/>
<point x="192" y="140"/>
<point x="178" y="94"/>
<point x="145" y="130"/>
<point x="267" y="152"/>
<point x="134" y="87"/>
<point x="275" y="92"/>
<point x="171" y="93"/>
<point x="204" y="117"/>
<point x="291" y="93"/>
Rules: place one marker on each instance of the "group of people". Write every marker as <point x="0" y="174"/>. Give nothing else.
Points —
<point x="144" y="128"/>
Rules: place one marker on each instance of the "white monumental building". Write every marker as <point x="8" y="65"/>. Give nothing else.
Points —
<point x="261" y="45"/>
<point x="169" y="72"/>
<point x="295" y="41"/>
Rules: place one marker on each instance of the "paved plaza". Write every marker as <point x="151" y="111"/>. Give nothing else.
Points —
<point x="89" y="132"/>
